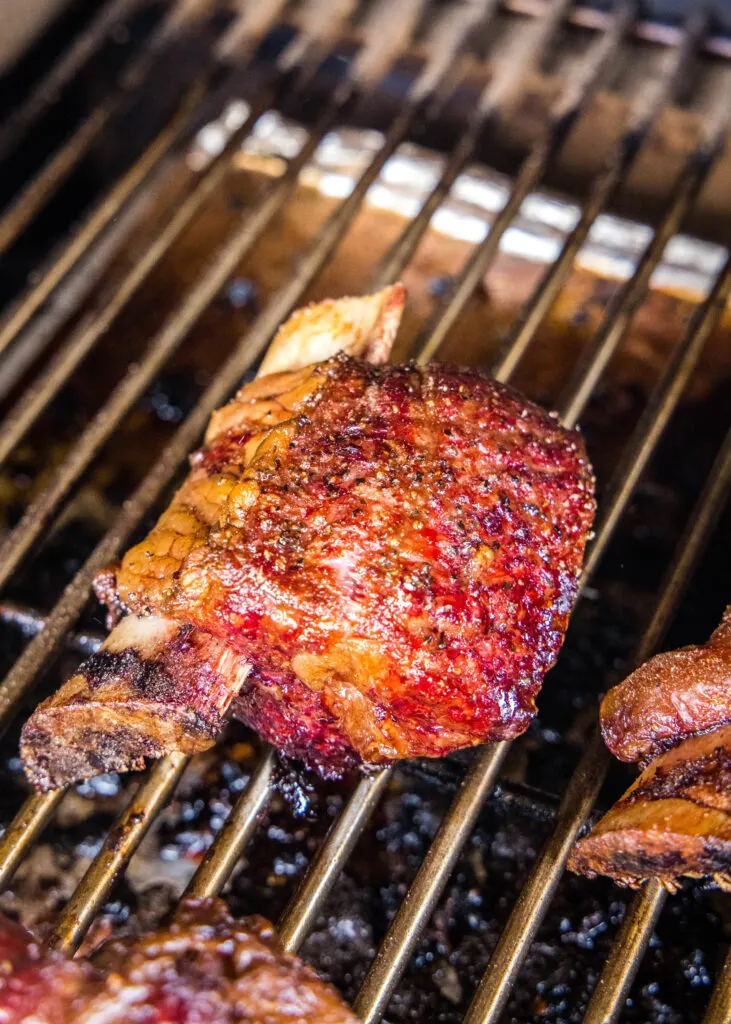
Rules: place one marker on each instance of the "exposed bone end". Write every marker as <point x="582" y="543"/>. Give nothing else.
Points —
<point x="365" y="326"/>
<point x="155" y="686"/>
<point x="673" y="822"/>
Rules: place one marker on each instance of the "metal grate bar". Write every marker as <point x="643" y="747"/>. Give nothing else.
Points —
<point x="22" y="311"/>
<point x="626" y="955"/>
<point x="622" y="308"/>
<point x="237" y="830"/>
<point x="527" y="914"/>
<point x="75" y="595"/>
<point x="421" y="899"/>
<point x="239" y="827"/>
<point x="330" y="859"/>
<point x="531" y="172"/>
<point x="321" y="875"/>
<point x="251" y="346"/>
<point x="23" y="831"/>
<point x="162" y="346"/>
<point x="381" y="979"/>
<point x="30" y="623"/>
<point x="656" y="416"/>
<point x="577" y="92"/>
<point x="536" y="895"/>
<point x="120" y="843"/>
<point x="46" y="91"/>
<point x="225" y="846"/>
<point x="719" y="1008"/>
<point x="646" y="107"/>
<point x="56" y="170"/>
<point x="37" y="397"/>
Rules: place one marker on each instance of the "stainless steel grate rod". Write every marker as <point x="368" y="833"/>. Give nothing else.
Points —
<point x="143" y="178"/>
<point x="643" y="115"/>
<point x="636" y="930"/>
<point x="381" y="979"/>
<point x="34" y="195"/>
<point x="42" y="391"/>
<point x="46" y="91"/>
<point x="574" y="98"/>
<point x="78" y="246"/>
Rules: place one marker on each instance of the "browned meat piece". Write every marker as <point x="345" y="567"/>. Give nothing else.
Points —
<point x="36" y="985"/>
<point x="672" y="714"/>
<point x="675" y="820"/>
<point x="673" y="695"/>
<point x="393" y="552"/>
<point x="206" y="968"/>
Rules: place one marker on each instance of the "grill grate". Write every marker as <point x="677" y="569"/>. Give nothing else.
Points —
<point x="19" y="335"/>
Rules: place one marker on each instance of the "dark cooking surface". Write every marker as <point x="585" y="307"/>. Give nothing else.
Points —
<point x="675" y="977"/>
<point x="576" y="937"/>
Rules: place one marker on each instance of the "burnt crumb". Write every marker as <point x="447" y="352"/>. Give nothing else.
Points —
<point x="296" y="785"/>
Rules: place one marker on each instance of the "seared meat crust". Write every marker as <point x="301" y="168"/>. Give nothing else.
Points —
<point x="387" y="557"/>
<point x="673" y="695"/>
<point x="675" y="820"/>
<point x="397" y="561"/>
<point x="206" y="968"/>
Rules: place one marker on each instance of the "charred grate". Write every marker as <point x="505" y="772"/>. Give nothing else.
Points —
<point x="237" y="58"/>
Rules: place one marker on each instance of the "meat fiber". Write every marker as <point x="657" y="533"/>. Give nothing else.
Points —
<point x="673" y="715"/>
<point x="388" y="556"/>
<point x="674" y="821"/>
<point x="205" y="968"/>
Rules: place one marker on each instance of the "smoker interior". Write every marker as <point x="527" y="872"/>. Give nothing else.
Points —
<point x="114" y="119"/>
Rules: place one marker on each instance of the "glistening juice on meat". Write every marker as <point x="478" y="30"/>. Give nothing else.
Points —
<point x="365" y="563"/>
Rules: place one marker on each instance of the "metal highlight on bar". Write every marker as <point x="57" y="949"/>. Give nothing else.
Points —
<point x="222" y="857"/>
<point x="330" y="859"/>
<point x="47" y="89"/>
<point x="656" y="416"/>
<point x="647" y="106"/>
<point x="253" y="343"/>
<point x="719" y="1008"/>
<point x="618" y="318"/>
<point x="230" y="843"/>
<point x="583" y="791"/>
<point x="163" y="344"/>
<point x="102" y="216"/>
<point x="21" y="834"/>
<point x="575" y="95"/>
<point x="531" y="172"/>
<point x="121" y="842"/>
<point x="636" y="931"/>
<point x="21" y="210"/>
<point x="42" y="391"/>
<point x="427" y="887"/>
